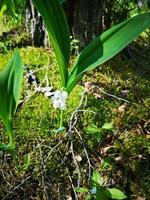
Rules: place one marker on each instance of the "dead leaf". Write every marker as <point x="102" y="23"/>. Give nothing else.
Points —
<point x="121" y="108"/>
<point x="140" y="198"/>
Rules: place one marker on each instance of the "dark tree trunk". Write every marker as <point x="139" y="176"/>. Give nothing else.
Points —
<point x="107" y="7"/>
<point x="84" y="18"/>
<point x="34" y="25"/>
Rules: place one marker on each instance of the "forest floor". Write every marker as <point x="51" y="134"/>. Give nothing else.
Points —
<point x="52" y="164"/>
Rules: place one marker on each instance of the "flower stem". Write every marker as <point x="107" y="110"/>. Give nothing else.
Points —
<point x="61" y="118"/>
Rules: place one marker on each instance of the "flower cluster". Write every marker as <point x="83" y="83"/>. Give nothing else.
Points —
<point x="59" y="99"/>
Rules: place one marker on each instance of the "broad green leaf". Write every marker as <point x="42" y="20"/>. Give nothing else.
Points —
<point x="108" y="126"/>
<point x="106" y="46"/>
<point x="10" y="86"/>
<point x="115" y="194"/>
<point x="100" y="194"/>
<point x="58" y="30"/>
<point x="92" y="129"/>
<point x="96" y="178"/>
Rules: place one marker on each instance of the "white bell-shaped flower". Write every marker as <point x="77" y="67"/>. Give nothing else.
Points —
<point x="59" y="99"/>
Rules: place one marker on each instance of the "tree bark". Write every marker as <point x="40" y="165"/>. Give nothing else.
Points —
<point x="34" y="25"/>
<point x="84" y="18"/>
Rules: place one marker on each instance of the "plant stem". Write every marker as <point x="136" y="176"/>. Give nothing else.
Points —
<point x="58" y="123"/>
<point x="61" y="118"/>
<point x="10" y="135"/>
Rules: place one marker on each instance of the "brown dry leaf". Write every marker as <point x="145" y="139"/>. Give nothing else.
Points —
<point x="147" y="123"/>
<point x="121" y="108"/>
<point x="87" y="86"/>
<point x="140" y="198"/>
<point x="148" y="136"/>
<point x="78" y="158"/>
<point x="105" y="149"/>
<point x="68" y="197"/>
<point x="97" y="96"/>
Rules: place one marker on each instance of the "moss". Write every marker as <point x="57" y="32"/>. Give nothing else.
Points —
<point x="36" y="118"/>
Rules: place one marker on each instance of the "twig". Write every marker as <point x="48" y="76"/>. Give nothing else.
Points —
<point x="73" y="118"/>
<point x="43" y="172"/>
<point x="55" y="148"/>
<point x="76" y="197"/>
<point x="111" y="95"/>
<point x="40" y="69"/>
<point x="26" y="99"/>
<point x="76" y="164"/>
<point x="86" y="153"/>
<point x="73" y="121"/>
<point x="15" y="188"/>
<point x="5" y="178"/>
<point x="37" y="87"/>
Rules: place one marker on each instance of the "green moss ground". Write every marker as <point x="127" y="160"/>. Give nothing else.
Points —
<point x="52" y="168"/>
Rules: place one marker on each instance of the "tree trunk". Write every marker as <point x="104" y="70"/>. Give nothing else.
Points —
<point x="84" y="18"/>
<point x="34" y="25"/>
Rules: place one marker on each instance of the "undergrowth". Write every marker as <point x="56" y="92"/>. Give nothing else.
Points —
<point x="118" y="92"/>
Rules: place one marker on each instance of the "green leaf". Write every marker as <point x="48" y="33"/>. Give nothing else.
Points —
<point x="94" y="132"/>
<point x="88" y="197"/>
<point x="96" y="178"/>
<point x="3" y="9"/>
<point x="10" y="148"/>
<point x="58" y="30"/>
<point x="23" y="168"/>
<point x="10" y="6"/>
<point x="13" y="6"/>
<point x="62" y="1"/>
<point x="100" y="194"/>
<point x="60" y="129"/>
<point x="10" y="87"/>
<point x="106" y="46"/>
<point x="92" y="129"/>
<point x="105" y="164"/>
<point x="82" y="190"/>
<point x="108" y="126"/>
<point x="115" y="194"/>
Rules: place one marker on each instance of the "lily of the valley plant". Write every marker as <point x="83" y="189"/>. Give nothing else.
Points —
<point x="101" y="49"/>
<point x="10" y="86"/>
<point x="96" y="53"/>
